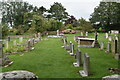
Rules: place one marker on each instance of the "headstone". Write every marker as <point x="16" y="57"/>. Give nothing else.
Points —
<point x="14" y="43"/>
<point x="111" y="77"/>
<point x="114" y="32"/>
<point x="117" y="56"/>
<point x="95" y="43"/>
<point x="28" y="45"/>
<point x="70" y="47"/>
<point x="8" y="38"/>
<point x="110" y="38"/>
<point x="116" y="37"/>
<point x="106" y="35"/>
<point x="108" y="48"/>
<point x="58" y="33"/>
<point x="7" y="44"/>
<point x="81" y="33"/>
<point x="101" y="45"/>
<point x="72" y="50"/>
<point x="79" y="58"/>
<point x="86" y="33"/>
<point x="86" y="66"/>
<point x="114" y="46"/>
<point x="20" y="39"/>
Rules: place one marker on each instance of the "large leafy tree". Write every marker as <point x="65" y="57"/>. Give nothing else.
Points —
<point x="106" y="15"/>
<point x="57" y="12"/>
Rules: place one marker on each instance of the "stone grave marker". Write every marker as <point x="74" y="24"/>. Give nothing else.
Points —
<point x="79" y="58"/>
<point x="70" y="46"/>
<point x="101" y="45"/>
<point x="86" y="33"/>
<point x="81" y="33"/>
<point x="86" y="66"/>
<point x="7" y="44"/>
<point x="72" y="49"/>
<point x="14" y="43"/>
<point x="8" y="38"/>
<point x="106" y="35"/>
<point x="20" y="39"/>
<point x="108" y="48"/>
<point x="28" y="45"/>
<point x="114" y="46"/>
<point x="58" y="32"/>
<point x="117" y="56"/>
<point x="110" y="38"/>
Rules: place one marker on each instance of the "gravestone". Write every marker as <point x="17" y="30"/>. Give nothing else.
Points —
<point x="108" y="48"/>
<point x="70" y="46"/>
<point x="28" y="45"/>
<point x="114" y="46"/>
<point x="7" y="44"/>
<point x="117" y="56"/>
<point x="79" y="58"/>
<point x="101" y="45"/>
<point x="8" y="38"/>
<point x="72" y="49"/>
<point x="58" y="32"/>
<point x="20" y="39"/>
<point x="81" y="33"/>
<point x="86" y="33"/>
<point x="106" y="35"/>
<point x="110" y="38"/>
<point x="95" y="43"/>
<point x="14" y="43"/>
<point x="86" y="66"/>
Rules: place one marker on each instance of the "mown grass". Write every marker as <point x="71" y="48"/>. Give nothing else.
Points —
<point x="49" y="60"/>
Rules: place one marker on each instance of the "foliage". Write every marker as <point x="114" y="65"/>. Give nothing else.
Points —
<point x="69" y="26"/>
<point x="57" y="12"/>
<point x="85" y="25"/>
<point x="106" y="15"/>
<point x="5" y="30"/>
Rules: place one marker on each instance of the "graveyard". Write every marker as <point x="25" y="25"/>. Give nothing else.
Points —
<point x="49" y="60"/>
<point x="37" y="42"/>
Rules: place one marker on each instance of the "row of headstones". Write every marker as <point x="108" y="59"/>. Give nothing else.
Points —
<point x="82" y="34"/>
<point x="114" y="48"/>
<point x="78" y="56"/>
<point x="110" y="38"/>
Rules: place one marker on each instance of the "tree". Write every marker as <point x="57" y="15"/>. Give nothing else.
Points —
<point x="57" y="12"/>
<point x="85" y="25"/>
<point x="106" y="15"/>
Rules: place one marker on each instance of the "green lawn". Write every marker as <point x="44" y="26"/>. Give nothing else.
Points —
<point x="49" y="60"/>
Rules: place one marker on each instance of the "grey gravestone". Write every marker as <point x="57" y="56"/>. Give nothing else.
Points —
<point x="72" y="50"/>
<point x="117" y="56"/>
<point x="70" y="47"/>
<point x="95" y="43"/>
<point x="86" y="33"/>
<point x="28" y="45"/>
<point x="86" y="66"/>
<point x="106" y="35"/>
<point x="8" y="38"/>
<point x="14" y="43"/>
<point x="108" y="48"/>
<point x="20" y="39"/>
<point x="79" y="58"/>
<point x="114" y="46"/>
<point x="101" y="45"/>
<point x="18" y="75"/>
<point x="110" y="38"/>
<point x="81" y="33"/>
<point x="7" y="44"/>
<point x="58" y="32"/>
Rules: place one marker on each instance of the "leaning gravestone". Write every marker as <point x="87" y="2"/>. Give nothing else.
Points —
<point x="79" y="58"/>
<point x="108" y="48"/>
<point x="86" y="66"/>
<point x="101" y="45"/>
<point x="18" y="75"/>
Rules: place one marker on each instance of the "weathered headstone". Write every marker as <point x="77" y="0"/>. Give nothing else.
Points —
<point x="81" y="33"/>
<point x="101" y="45"/>
<point x="79" y="58"/>
<point x="106" y="35"/>
<point x="20" y="39"/>
<point x="95" y="43"/>
<point x="8" y="38"/>
<point x="86" y="33"/>
<point x="14" y="43"/>
<point x="110" y="38"/>
<point x="108" y="48"/>
<point x="7" y="44"/>
<point x="28" y="45"/>
<point x="70" y="46"/>
<point x="58" y="33"/>
<point x="114" y="46"/>
<point x="86" y="66"/>
<point x="72" y="49"/>
<point x="117" y="56"/>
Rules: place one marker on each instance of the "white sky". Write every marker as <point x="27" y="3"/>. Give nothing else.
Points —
<point x="77" y="8"/>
